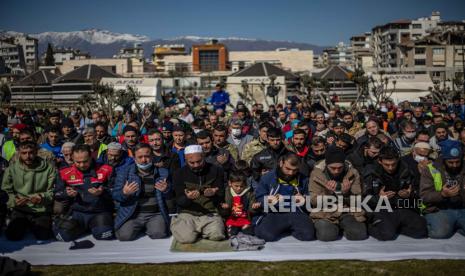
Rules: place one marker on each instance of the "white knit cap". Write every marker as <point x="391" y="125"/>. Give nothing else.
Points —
<point x="193" y="149"/>
<point x="422" y="145"/>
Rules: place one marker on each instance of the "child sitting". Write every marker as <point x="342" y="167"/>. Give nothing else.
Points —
<point x="239" y="205"/>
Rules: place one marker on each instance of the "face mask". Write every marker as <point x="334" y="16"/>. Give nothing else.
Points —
<point x="144" y="167"/>
<point x="419" y="158"/>
<point x="426" y="126"/>
<point x="236" y="132"/>
<point x="197" y="130"/>
<point x="410" y="135"/>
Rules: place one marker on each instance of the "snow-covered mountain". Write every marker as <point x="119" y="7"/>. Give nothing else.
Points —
<point x="203" y="38"/>
<point x="104" y="43"/>
<point x="93" y="36"/>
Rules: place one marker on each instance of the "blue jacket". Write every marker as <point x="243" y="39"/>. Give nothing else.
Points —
<point x="269" y="185"/>
<point x="128" y="204"/>
<point x="219" y="97"/>
<point x="56" y="150"/>
<point x="180" y="153"/>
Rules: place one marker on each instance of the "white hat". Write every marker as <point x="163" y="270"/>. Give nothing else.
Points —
<point x="114" y="146"/>
<point x="119" y="108"/>
<point x="422" y="145"/>
<point x="193" y="149"/>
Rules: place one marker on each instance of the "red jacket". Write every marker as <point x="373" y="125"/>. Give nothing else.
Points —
<point x="98" y="175"/>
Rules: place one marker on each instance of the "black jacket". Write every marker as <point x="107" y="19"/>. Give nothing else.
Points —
<point x="375" y="178"/>
<point x="266" y="159"/>
<point x="168" y="160"/>
<point x="211" y="176"/>
<point x="358" y="160"/>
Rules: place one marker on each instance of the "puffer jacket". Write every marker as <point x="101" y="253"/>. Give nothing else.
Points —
<point x="317" y="182"/>
<point x="432" y="198"/>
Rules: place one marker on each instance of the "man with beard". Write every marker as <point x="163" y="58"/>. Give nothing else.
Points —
<point x="69" y="132"/>
<point x="351" y="126"/>
<point x="336" y="177"/>
<point x="115" y="157"/>
<point x="299" y="147"/>
<point x="162" y="156"/>
<point x="338" y="127"/>
<point x="90" y="139"/>
<point x="442" y="189"/>
<point x="257" y="144"/>
<point x="440" y="134"/>
<point x="213" y="155"/>
<point x="29" y="184"/>
<point x="236" y="138"/>
<point x="87" y="185"/>
<point x="366" y="154"/>
<point x="267" y="159"/>
<point x="417" y="160"/>
<point x="405" y="142"/>
<point x="199" y="190"/>
<point x="390" y="180"/>
<point x="131" y="138"/>
<point x="141" y="189"/>
<point x="316" y="152"/>
<point x="101" y="131"/>
<point x="284" y="183"/>
<point x="219" y="135"/>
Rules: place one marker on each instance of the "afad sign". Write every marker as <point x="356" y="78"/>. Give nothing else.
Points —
<point x="129" y="82"/>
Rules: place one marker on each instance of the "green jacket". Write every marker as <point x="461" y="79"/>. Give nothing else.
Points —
<point x="251" y="149"/>
<point x="21" y="181"/>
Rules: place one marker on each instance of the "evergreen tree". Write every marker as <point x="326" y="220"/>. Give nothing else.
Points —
<point x="49" y="59"/>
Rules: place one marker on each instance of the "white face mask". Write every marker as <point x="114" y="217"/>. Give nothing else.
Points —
<point x="197" y="130"/>
<point x="236" y="132"/>
<point x="419" y="158"/>
<point x="410" y="135"/>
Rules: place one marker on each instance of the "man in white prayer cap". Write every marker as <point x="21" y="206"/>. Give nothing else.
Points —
<point x="416" y="160"/>
<point x="199" y="191"/>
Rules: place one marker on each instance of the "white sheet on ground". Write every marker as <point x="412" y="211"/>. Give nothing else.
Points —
<point x="145" y="250"/>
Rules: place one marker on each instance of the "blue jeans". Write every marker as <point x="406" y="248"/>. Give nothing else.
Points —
<point x="444" y="223"/>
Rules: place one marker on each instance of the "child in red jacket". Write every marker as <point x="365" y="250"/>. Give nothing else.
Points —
<point x="239" y="205"/>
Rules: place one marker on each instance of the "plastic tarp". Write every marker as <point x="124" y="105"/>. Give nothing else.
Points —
<point x="145" y="250"/>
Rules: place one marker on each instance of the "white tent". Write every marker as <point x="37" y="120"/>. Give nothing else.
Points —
<point x="150" y="88"/>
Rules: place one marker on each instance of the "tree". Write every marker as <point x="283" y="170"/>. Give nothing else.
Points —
<point x="106" y="98"/>
<point x="49" y="59"/>
<point x="441" y="95"/>
<point x="380" y="91"/>
<point x="361" y="82"/>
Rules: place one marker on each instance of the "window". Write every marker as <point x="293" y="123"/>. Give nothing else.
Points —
<point x="416" y="26"/>
<point x="438" y="51"/>
<point x="420" y="62"/>
<point x="208" y="60"/>
<point x="420" y="50"/>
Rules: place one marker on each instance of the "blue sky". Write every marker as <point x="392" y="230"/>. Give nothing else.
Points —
<point x="319" y="22"/>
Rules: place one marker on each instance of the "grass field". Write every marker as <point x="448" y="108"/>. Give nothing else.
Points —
<point x="409" y="267"/>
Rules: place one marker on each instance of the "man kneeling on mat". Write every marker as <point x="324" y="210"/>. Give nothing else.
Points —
<point x="199" y="192"/>
<point x="141" y="189"/>
<point x="87" y="186"/>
